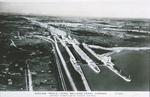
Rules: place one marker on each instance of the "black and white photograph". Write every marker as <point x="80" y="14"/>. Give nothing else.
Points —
<point x="74" y="45"/>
